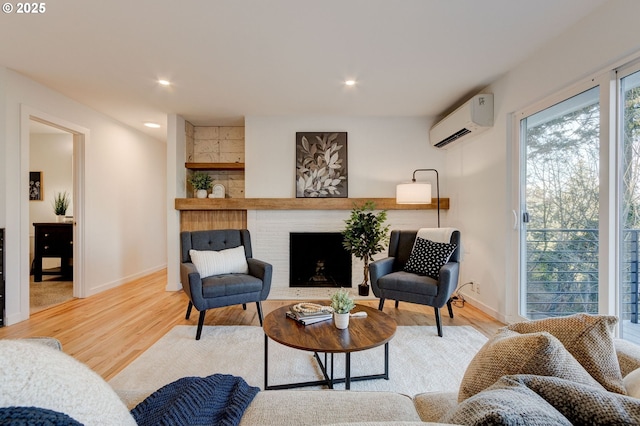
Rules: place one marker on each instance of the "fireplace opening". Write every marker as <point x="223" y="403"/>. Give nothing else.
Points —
<point x="318" y="259"/>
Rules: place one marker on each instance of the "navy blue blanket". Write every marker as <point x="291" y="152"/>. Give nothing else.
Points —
<point x="29" y="416"/>
<point x="219" y="399"/>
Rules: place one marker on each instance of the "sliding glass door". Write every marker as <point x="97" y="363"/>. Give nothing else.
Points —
<point x="629" y="196"/>
<point x="560" y="192"/>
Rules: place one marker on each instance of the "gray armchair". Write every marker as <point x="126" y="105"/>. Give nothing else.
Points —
<point x="390" y="281"/>
<point x="226" y="289"/>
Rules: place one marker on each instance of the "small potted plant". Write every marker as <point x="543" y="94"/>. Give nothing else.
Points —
<point x="60" y="205"/>
<point x="201" y="182"/>
<point x="364" y="237"/>
<point x="342" y="303"/>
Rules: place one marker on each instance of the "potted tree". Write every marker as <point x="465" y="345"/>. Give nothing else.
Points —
<point x="201" y="182"/>
<point x="365" y="236"/>
<point x="60" y="205"/>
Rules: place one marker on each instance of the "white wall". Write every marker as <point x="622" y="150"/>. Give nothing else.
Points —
<point x="51" y="154"/>
<point x="382" y="152"/>
<point x="479" y="169"/>
<point x="124" y="194"/>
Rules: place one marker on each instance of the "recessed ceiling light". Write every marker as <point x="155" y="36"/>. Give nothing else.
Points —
<point x="152" y="125"/>
<point x="164" y="82"/>
<point x="350" y="83"/>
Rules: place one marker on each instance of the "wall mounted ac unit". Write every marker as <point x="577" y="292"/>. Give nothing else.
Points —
<point x="473" y="117"/>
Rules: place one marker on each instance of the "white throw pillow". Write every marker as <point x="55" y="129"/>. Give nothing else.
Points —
<point x="34" y="375"/>
<point x="211" y="262"/>
<point x="632" y="383"/>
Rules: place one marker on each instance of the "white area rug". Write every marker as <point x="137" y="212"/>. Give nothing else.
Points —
<point x="419" y="360"/>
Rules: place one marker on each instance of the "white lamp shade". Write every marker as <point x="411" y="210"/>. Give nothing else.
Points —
<point x="413" y="193"/>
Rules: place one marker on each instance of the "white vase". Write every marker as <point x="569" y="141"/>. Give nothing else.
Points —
<point x="60" y="218"/>
<point x="341" y="320"/>
<point x="201" y="193"/>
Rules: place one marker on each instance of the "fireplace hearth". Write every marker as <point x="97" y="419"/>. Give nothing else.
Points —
<point x="318" y="259"/>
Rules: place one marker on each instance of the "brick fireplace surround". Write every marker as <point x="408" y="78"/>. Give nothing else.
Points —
<point x="271" y="220"/>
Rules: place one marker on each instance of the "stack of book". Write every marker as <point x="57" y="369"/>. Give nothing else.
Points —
<point x="309" y="318"/>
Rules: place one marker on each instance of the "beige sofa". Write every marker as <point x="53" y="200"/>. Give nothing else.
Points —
<point x="36" y="375"/>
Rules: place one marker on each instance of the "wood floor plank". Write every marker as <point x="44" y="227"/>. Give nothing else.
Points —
<point x="109" y="330"/>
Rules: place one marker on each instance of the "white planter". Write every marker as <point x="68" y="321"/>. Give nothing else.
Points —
<point x="201" y="193"/>
<point x="341" y="320"/>
<point x="60" y="218"/>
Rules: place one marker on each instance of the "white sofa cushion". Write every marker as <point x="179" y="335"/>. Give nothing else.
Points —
<point x="34" y="375"/>
<point x="632" y="383"/>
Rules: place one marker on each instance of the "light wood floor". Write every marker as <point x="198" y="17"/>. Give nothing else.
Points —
<point x="109" y="330"/>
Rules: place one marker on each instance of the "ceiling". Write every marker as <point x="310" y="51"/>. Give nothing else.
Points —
<point x="228" y="59"/>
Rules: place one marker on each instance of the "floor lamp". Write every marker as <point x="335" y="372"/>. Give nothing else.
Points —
<point x="418" y="192"/>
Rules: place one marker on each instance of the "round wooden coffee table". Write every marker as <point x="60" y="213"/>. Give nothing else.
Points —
<point x="323" y="337"/>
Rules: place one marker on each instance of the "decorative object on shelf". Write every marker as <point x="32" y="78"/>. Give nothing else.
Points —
<point x="342" y="304"/>
<point x="365" y="236"/>
<point x="321" y="165"/>
<point x="201" y="182"/>
<point x="35" y="186"/>
<point x="218" y="191"/>
<point x="418" y="192"/>
<point x="60" y="205"/>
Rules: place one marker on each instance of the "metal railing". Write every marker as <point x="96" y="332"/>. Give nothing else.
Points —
<point x="562" y="272"/>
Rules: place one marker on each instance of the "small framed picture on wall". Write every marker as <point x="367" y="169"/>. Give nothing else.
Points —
<point x="36" y="192"/>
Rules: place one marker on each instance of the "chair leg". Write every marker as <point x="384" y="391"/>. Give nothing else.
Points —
<point x="438" y="322"/>
<point x="200" y="323"/>
<point x="244" y="306"/>
<point x="189" y="310"/>
<point x="381" y="304"/>
<point x="397" y="304"/>
<point x="450" y="308"/>
<point x="259" y="305"/>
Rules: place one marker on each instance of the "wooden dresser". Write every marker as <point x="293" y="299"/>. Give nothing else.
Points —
<point x="53" y="240"/>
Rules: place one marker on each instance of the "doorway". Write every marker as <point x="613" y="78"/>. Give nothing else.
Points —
<point x="80" y="136"/>
<point x="50" y="188"/>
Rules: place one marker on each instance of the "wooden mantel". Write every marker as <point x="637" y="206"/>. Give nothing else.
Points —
<point x="299" y="204"/>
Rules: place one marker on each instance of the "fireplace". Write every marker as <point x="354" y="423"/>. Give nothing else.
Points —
<point x="318" y="259"/>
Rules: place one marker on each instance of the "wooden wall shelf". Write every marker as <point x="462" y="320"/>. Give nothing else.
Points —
<point x="214" y="166"/>
<point x="299" y="204"/>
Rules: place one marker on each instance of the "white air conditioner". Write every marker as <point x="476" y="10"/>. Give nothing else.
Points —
<point x="473" y="117"/>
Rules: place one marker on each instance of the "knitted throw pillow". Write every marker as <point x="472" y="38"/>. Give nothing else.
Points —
<point x="427" y="257"/>
<point x="509" y="352"/>
<point x="589" y="338"/>
<point x="505" y="403"/>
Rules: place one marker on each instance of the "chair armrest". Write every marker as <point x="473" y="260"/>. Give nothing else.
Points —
<point x="191" y="283"/>
<point x="379" y="269"/>
<point x="447" y="282"/>
<point x="262" y="270"/>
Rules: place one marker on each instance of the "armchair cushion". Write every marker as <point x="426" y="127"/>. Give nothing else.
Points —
<point x="427" y="257"/>
<point x="211" y="262"/>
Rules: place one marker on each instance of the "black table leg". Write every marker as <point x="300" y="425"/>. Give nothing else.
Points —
<point x="347" y="372"/>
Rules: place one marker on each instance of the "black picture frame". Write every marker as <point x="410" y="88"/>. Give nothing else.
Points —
<point x="36" y="189"/>
<point x="321" y="165"/>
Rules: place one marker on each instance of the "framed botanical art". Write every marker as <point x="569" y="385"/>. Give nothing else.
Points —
<point x="321" y="165"/>
<point x="35" y="186"/>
